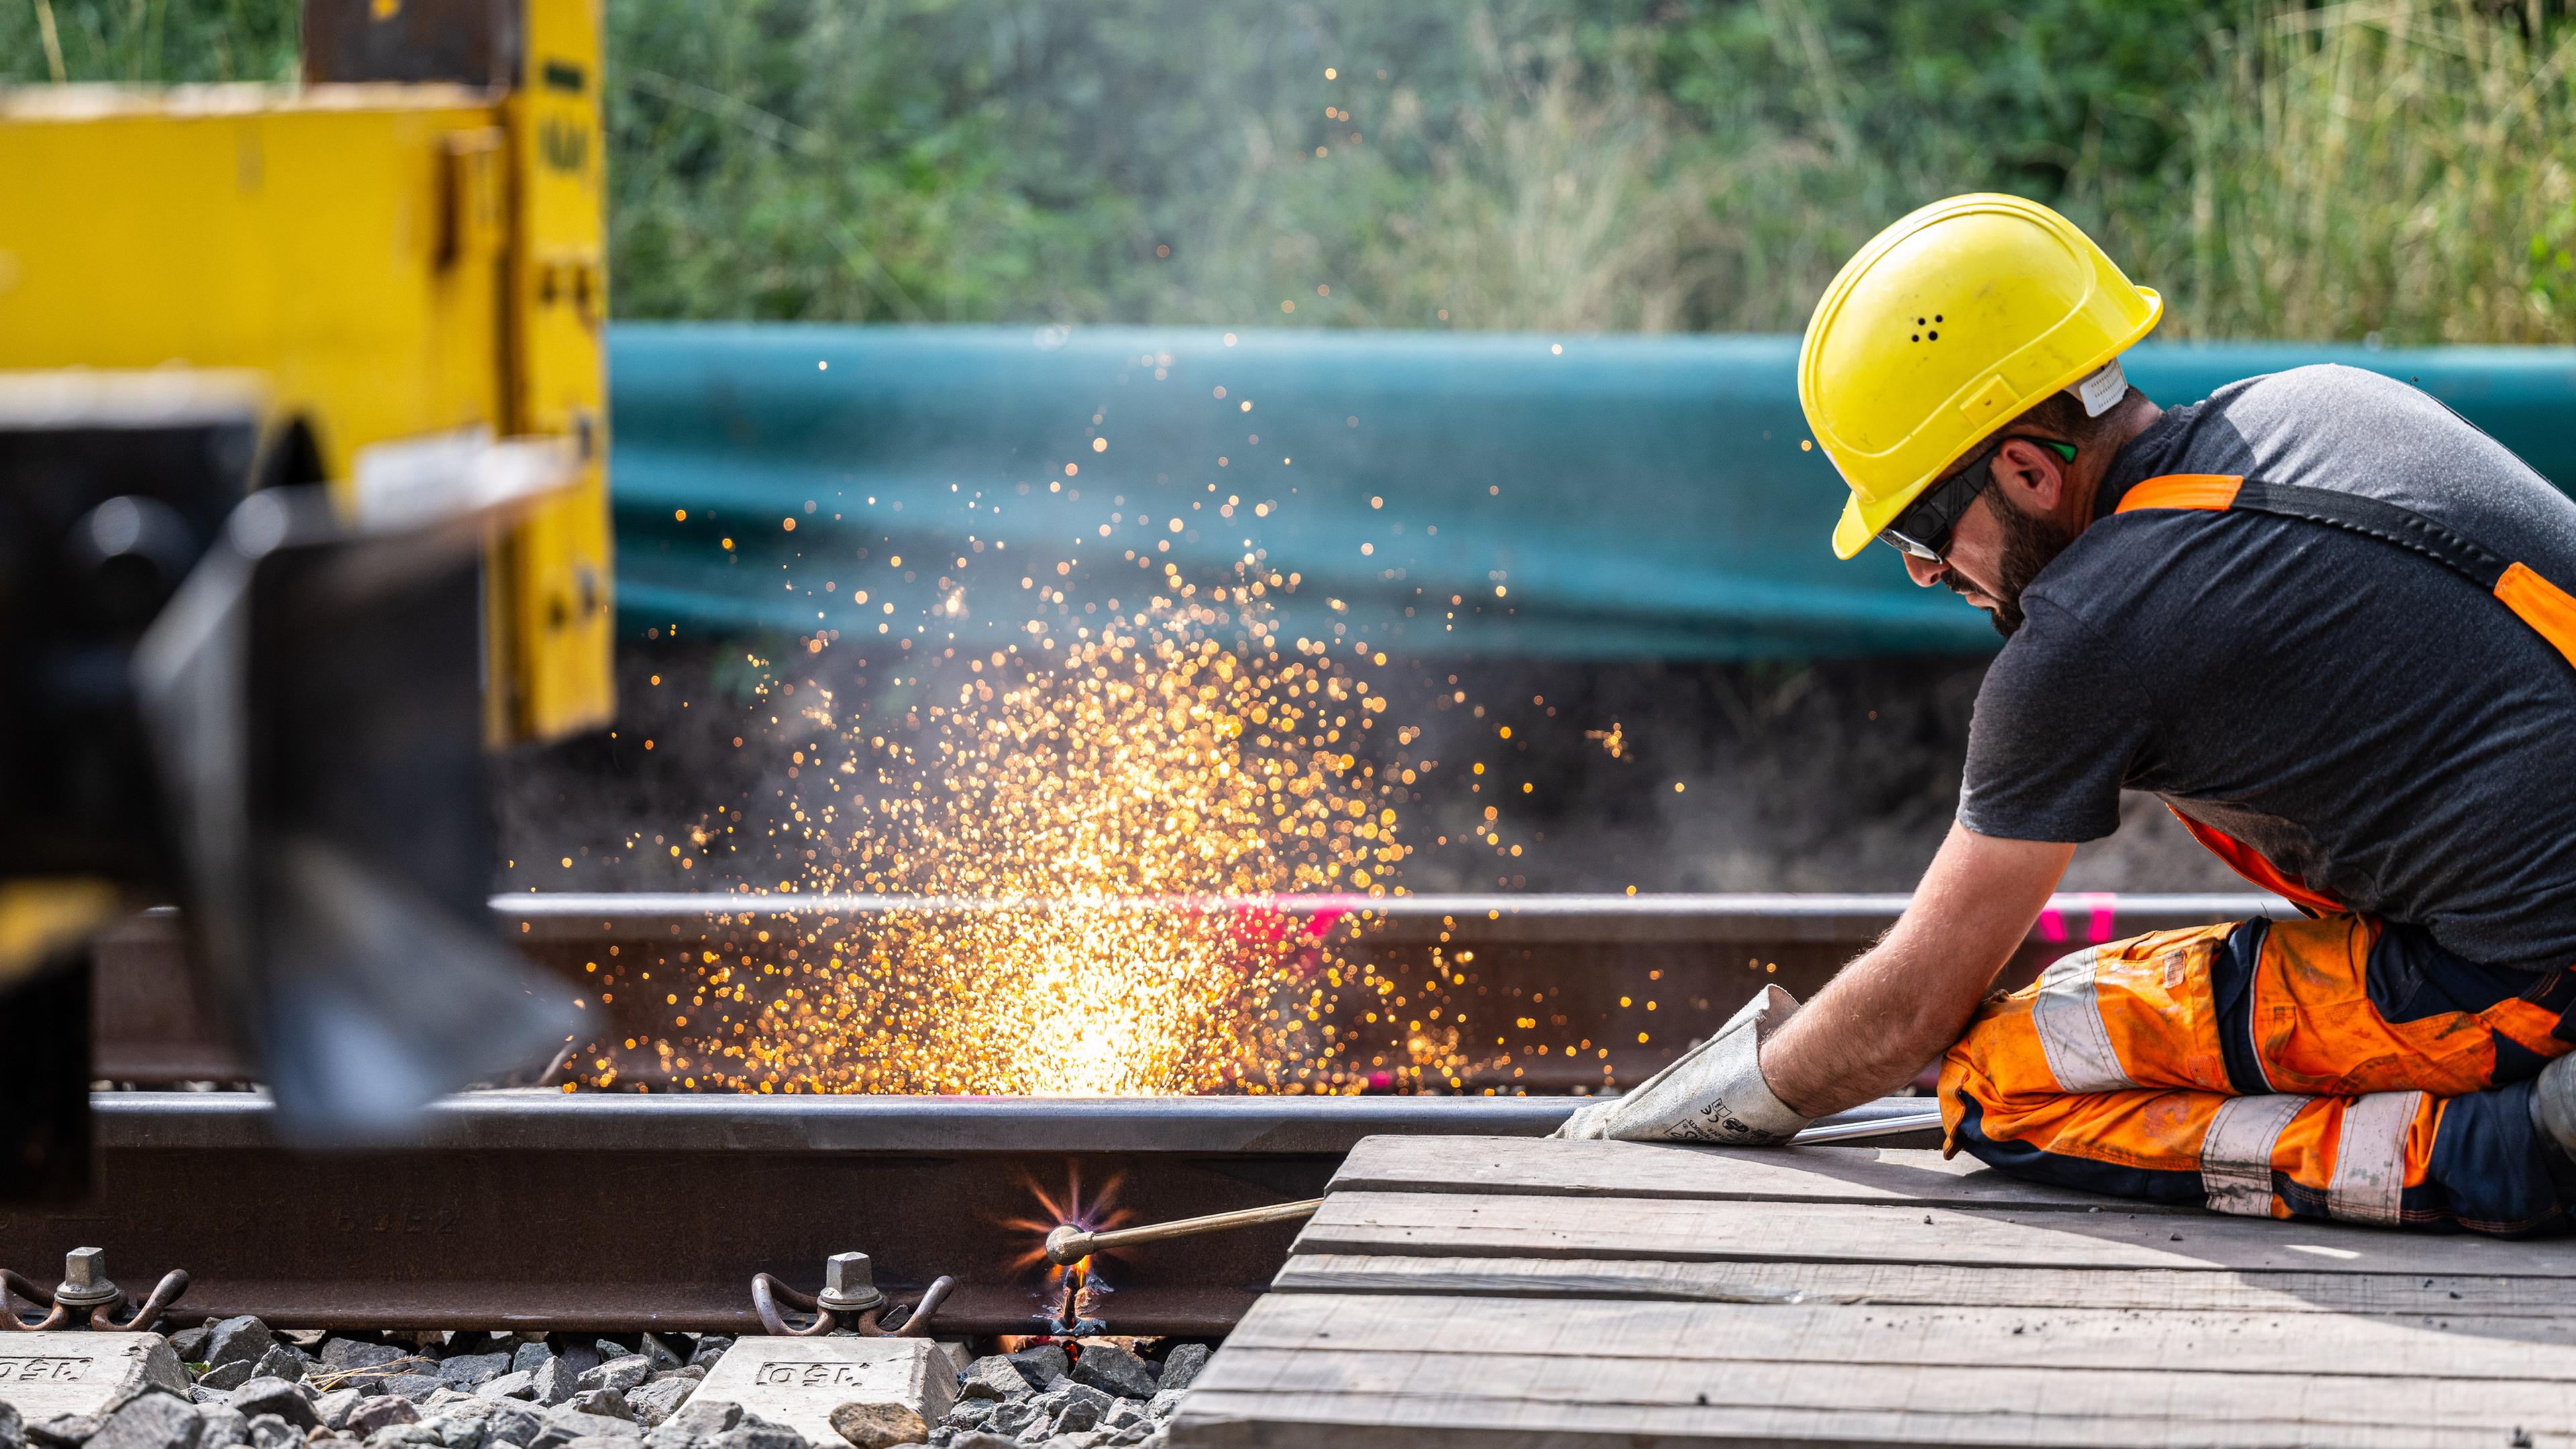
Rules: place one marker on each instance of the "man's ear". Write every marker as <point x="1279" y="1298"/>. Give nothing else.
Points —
<point x="2031" y="475"/>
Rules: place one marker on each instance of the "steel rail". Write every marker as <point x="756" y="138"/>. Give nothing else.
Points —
<point x="540" y="1210"/>
<point x="570" y="915"/>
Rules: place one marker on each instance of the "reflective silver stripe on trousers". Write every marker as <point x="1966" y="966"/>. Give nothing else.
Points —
<point x="2236" y="1155"/>
<point x="2068" y="1017"/>
<point x="2370" y="1157"/>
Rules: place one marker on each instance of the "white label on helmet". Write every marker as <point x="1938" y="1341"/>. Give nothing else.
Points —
<point x="2103" y="389"/>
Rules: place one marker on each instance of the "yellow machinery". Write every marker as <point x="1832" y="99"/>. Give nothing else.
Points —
<point x="406" y="249"/>
<point x="303" y="511"/>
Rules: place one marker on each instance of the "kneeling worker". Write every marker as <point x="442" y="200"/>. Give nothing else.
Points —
<point x="2322" y="617"/>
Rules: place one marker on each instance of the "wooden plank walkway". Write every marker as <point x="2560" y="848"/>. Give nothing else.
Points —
<point x="1490" y="1293"/>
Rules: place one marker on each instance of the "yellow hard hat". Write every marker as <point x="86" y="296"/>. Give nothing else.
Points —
<point x="1948" y="325"/>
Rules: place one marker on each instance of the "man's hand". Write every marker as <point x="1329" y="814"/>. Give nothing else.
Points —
<point x="1908" y="997"/>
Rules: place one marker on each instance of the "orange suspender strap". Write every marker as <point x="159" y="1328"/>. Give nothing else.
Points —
<point x="2548" y="609"/>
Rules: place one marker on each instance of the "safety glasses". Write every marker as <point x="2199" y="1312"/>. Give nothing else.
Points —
<point x="1923" y="529"/>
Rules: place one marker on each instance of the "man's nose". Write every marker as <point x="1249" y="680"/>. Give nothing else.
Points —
<point x="1925" y="572"/>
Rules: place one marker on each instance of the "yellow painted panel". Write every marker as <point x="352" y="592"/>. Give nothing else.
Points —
<point x="561" y="575"/>
<point x="325" y="237"/>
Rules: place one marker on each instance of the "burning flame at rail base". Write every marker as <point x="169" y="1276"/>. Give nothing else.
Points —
<point x="1106" y="798"/>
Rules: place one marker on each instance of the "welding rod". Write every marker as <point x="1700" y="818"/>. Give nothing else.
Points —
<point x="1069" y="1244"/>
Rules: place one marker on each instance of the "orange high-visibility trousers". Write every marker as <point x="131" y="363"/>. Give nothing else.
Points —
<point x="2340" y="1067"/>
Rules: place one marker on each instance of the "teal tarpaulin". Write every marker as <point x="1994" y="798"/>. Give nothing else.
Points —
<point x="1591" y="497"/>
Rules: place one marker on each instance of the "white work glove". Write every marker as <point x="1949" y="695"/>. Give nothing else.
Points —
<point x="1712" y="1093"/>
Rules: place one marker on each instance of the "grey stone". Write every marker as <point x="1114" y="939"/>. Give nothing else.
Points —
<point x="190" y="1343"/>
<point x="659" y="1400"/>
<point x="978" y="1439"/>
<point x="380" y="1412"/>
<point x="609" y="1348"/>
<point x="599" y="1441"/>
<point x="709" y="1349"/>
<point x="152" y="1421"/>
<point x="457" y="1431"/>
<point x="993" y="1377"/>
<point x="198" y="1394"/>
<point x="1181" y="1366"/>
<point x="228" y="1376"/>
<point x="757" y="1433"/>
<point x="658" y="1355"/>
<point x="268" y="1431"/>
<point x="694" y="1373"/>
<point x="1127" y="1434"/>
<point x="1082" y="1407"/>
<point x="414" y="1387"/>
<point x="352" y="1353"/>
<point x="241" y="1340"/>
<point x="516" y="1384"/>
<point x="556" y="1381"/>
<point x="335" y="1407"/>
<point x="225" y="1426"/>
<point x="448" y="1400"/>
<point x="280" y="1362"/>
<point x="620" y="1374"/>
<point x="1124" y="1413"/>
<point x="565" y="1423"/>
<point x="970" y="1413"/>
<point x="1113" y="1370"/>
<point x="1165" y="1403"/>
<point x="602" y="1401"/>
<point x="1014" y="1415"/>
<point x="64" y="1429"/>
<point x="1042" y="1365"/>
<point x="279" y="1397"/>
<point x="529" y="1357"/>
<point x="13" y="1428"/>
<point x="511" y="1422"/>
<point x="472" y="1370"/>
<point x="695" y="1422"/>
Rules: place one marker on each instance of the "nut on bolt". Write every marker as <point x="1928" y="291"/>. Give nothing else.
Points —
<point x="850" y="1284"/>
<point x="85" y="1282"/>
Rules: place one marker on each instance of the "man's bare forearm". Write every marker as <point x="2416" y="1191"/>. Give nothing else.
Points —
<point x="1903" y="1001"/>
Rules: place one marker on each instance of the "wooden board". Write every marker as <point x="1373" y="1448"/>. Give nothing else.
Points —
<point x="2215" y="1290"/>
<point x="1481" y="1165"/>
<point x="1479" y="1294"/>
<point x="1671" y="1230"/>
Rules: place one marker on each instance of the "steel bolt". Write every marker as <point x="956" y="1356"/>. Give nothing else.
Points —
<point x="849" y="1284"/>
<point x="85" y="1282"/>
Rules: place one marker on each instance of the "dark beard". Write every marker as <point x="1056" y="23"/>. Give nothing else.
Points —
<point x="2030" y="544"/>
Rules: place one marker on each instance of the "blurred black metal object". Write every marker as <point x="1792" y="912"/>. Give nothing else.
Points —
<point x="44" y="1082"/>
<point x="313" y="696"/>
<point x="219" y="682"/>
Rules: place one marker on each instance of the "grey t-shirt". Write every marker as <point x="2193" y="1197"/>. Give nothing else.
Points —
<point x="2375" y="724"/>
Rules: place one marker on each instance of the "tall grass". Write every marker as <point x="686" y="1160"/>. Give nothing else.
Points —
<point x="2398" y="168"/>
<point x="2375" y="168"/>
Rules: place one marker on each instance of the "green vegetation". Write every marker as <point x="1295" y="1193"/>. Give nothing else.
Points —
<point x="2405" y="168"/>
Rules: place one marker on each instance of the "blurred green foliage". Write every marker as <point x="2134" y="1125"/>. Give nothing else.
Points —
<point x="2399" y="167"/>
